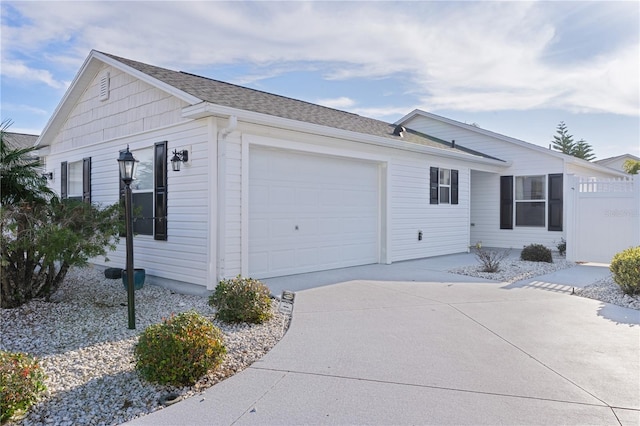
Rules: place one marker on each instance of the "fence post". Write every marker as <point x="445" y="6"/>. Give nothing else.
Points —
<point x="571" y="189"/>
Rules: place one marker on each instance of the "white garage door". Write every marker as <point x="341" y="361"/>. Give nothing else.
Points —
<point x="310" y="212"/>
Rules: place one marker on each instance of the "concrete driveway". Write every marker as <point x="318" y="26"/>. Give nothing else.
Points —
<point x="446" y="350"/>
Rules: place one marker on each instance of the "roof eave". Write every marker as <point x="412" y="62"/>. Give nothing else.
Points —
<point x="207" y="109"/>
<point x="564" y="157"/>
<point x="83" y="78"/>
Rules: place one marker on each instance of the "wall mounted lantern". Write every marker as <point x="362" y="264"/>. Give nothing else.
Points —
<point x="179" y="157"/>
<point x="48" y="176"/>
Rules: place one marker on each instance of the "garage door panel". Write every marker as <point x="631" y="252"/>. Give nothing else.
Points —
<point x="332" y="201"/>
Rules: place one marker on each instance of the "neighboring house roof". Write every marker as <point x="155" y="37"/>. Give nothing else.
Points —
<point x="521" y="143"/>
<point x="19" y="140"/>
<point x="195" y="89"/>
<point x="617" y="158"/>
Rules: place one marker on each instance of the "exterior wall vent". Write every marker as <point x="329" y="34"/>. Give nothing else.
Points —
<point x="104" y="86"/>
<point x="399" y="130"/>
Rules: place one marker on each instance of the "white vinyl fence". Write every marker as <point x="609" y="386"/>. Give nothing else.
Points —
<point x="603" y="217"/>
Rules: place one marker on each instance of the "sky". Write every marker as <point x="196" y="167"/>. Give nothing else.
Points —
<point x="515" y="68"/>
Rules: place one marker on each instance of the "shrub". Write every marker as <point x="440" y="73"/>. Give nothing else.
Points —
<point x="21" y="382"/>
<point x="625" y="267"/>
<point x="536" y="253"/>
<point x="490" y="259"/>
<point x="180" y="350"/>
<point x="562" y="247"/>
<point x="241" y="300"/>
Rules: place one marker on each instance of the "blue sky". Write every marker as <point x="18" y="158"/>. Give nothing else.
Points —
<point x="516" y="68"/>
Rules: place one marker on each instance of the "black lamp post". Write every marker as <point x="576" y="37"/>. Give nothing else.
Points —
<point x="128" y="165"/>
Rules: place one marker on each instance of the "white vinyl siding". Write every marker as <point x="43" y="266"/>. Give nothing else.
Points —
<point x="445" y="227"/>
<point x="100" y="129"/>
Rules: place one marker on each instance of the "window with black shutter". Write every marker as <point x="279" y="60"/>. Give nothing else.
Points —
<point x="149" y="192"/>
<point x="443" y="186"/>
<point x="75" y="180"/>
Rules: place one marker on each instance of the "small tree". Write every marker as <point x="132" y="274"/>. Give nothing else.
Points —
<point x="40" y="242"/>
<point x="41" y="237"/>
<point x="632" y="166"/>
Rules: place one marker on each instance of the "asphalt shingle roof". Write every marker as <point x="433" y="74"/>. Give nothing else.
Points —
<point x="234" y="96"/>
<point x="19" y="140"/>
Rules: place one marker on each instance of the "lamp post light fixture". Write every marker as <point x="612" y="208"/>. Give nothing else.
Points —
<point x="128" y="165"/>
<point x="179" y="157"/>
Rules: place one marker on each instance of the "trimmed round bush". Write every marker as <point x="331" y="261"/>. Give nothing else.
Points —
<point x="241" y="300"/>
<point x="625" y="268"/>
<point x="180" y="350"/>
<point x="536" y="253"/>
<point x="21" y="382"/>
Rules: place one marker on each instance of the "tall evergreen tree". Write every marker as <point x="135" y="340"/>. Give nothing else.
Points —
<point x="583" y="150"/>
<point x="563" y="141"/>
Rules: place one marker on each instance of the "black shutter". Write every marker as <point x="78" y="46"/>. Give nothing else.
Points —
<point x="160" y="191"/>
<point x="556" y="191"/>
<point x="506" y="202"/>
<point x="454" y="187"/>
<point x="63" y="180"/>
<point x="433" y="185"/>
<point x="86" y="180"/>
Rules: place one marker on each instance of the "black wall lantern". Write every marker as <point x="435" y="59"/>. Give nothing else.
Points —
<point x="179" y="157"/>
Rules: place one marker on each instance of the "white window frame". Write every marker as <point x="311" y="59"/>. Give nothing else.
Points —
<point x="444" y="182"/>
<point x="526" y="194"/>
<point x="75" y="176"/>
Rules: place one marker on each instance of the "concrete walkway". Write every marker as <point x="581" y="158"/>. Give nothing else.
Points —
<point x="415" y="345"/>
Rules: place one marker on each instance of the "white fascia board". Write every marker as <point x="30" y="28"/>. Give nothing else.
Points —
<point x="205" y="109"/>
<point x="566" y="158"/>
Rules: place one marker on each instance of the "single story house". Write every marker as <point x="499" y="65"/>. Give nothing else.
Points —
<point x="273" y="186"/>
<point x="617" y="162"/>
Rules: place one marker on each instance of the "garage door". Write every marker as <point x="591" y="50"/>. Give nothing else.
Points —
<point x="310" y="212"/>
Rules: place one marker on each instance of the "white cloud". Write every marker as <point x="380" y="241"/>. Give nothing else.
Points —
<point x="337" y="103"/>
<point x="472" y="56"/>
<point x="18" y="70"/>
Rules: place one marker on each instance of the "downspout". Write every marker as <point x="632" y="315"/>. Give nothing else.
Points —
<point x="222" y="193"/>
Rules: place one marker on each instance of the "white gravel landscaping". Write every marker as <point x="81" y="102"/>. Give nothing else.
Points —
<point x="86" y="349"/>
<point x="512" y="270"/>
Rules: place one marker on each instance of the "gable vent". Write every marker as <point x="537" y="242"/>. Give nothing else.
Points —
<point x="104" y="86"/>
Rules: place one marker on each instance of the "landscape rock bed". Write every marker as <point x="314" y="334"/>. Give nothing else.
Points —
<point x="512" y="270"/>
<point x="86" y="349"/>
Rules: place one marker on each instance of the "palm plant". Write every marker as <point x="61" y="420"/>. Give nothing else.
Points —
<point x="20" y="173"/>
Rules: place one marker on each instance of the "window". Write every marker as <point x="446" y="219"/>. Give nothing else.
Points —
<point x="75" y="180"/>
<point x="530" y="200"/>
<point x="142" y="192"/>
<point x="443" y="186"/>
<point x="149" y="192"/>
<point x="533" y="199"/>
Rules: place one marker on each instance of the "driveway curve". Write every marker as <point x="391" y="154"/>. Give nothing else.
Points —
<point x="435" y="352"/>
